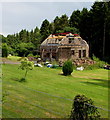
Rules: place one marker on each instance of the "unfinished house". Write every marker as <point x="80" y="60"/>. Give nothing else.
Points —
<point x="64" y="46"/>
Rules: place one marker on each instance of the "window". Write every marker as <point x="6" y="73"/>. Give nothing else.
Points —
<point x="84" y="53"/>
<point x="73" y="52"/>
<point x="69" y="40"/>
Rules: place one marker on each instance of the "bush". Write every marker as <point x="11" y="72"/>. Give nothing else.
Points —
<point x="4" y="50"/>
<point x="84" y="109"/>
<point x="67" y="68"/>
<point x="97" y="65"/>
<point x="30" y="55"/>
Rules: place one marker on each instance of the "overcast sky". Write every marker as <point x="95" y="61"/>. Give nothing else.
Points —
<point x="27" y="15"/>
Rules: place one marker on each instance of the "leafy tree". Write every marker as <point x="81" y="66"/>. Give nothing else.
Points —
<point x="67" y="68"/>
<point x="4" y="50"/>
<point x="84" y="109"/>
<point x="26" y="65"/>
<point x="23" y="49"/>
<point x="2" y="39"/>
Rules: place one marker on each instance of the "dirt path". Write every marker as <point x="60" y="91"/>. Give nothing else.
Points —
<point x="6" y="61"/>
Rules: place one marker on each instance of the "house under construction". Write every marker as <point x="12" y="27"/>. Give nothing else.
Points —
<point x="64" y="46"/>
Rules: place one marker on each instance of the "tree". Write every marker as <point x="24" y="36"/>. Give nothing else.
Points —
<point x="23" y="36"/>
<point x="84" y="109"/>
<point x="2" y="39"/>
<point x="69" y="29"/>
<point x="26" y="65"/>
<point x="99" y="38"/>
<point x="75" y="19"/>
<point x="64" y="21"/>
<point x="4" y="50"/>
<point x="67" y="68"/>
<point x="60" y="23"/>
<point x="44" y="30"/>
<point x="23" y="49"/>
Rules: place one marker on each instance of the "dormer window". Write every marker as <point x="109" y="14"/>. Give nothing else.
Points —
<point x="71" y="39"/>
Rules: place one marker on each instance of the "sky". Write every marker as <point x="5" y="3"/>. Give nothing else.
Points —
<point x="17" y="15"/>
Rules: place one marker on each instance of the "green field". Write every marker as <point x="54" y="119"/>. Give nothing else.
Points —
<point x="48" y="94"/>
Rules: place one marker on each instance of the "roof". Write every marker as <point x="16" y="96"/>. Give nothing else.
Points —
<point x="65" y="34"/>
<point x="54" y="40"/>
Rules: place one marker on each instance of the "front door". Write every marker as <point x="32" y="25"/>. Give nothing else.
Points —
<point x="79" y="53"/>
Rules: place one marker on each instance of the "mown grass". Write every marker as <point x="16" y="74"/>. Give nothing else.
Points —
<point x="33" y="98"/>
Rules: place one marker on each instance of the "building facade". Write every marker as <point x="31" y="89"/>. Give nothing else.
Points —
<point x="64" y="46"/>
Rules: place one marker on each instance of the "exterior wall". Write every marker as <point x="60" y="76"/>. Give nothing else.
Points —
<point x="48" y="53"/>
<point x="64" y="53"/>
<point x="62" y="49"/>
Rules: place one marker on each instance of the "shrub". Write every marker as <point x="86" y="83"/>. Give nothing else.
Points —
<point x="30" y="55"/>
<point x="83" y="109"/>
<point x="4" y="50"/>
<point x="97" y="65"/>
<point x="67" y="68"/>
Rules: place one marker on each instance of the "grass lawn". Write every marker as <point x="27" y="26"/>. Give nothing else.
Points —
<point x="44" y="93"/>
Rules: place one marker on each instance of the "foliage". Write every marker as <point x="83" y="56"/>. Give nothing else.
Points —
<point x="74" y="20"/>
<point x="26" y="65"/>
<point x="60" y="23"/>
<point x="84" y="109"/>
<point x="97" y="65"/>
<point x="4" y="50"/>
<point x="67" y="68"/>
<point x="69" y="29"/>
<point x="30" y="55"/>
<point x="44" y="30"/>
<point x="23" y="49"/>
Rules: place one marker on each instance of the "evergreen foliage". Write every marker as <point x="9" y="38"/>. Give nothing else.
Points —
<point x="84" y="109"/>
<point x="67" y="68"/>
<point x="4" y="50"/>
